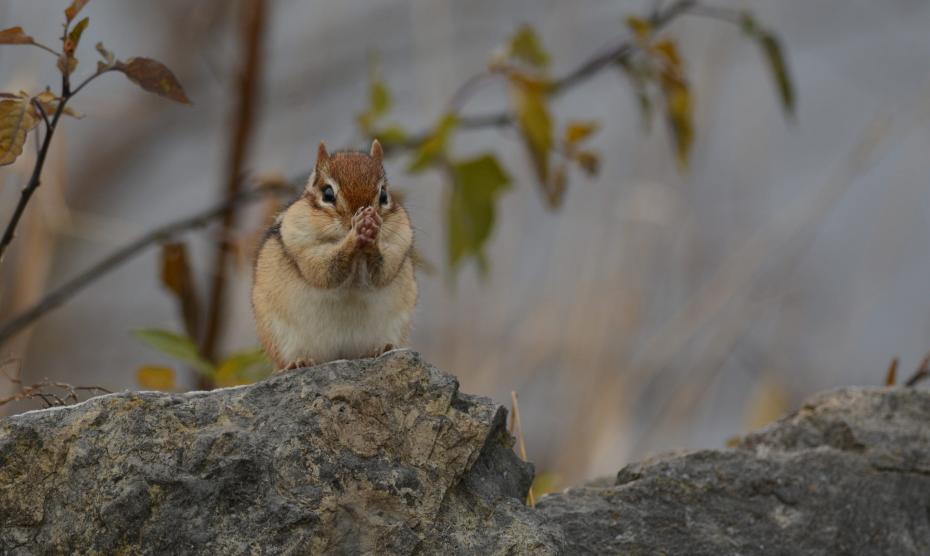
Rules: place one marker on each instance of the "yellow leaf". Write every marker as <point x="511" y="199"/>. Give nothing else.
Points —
<point x="15" y="35"/>
<point x="640" y="27"/>
<point x="151" y="377"/>
<point x="678" y="110"/>
<point x="18" y="117"/>
<point x="534" y="122"/>
<point x="434" y="147"/>
<point x="74" y="37"/>
<point x="668" y="51"/>
<point x="526" y="47"/>
<point x="576" y="132"/>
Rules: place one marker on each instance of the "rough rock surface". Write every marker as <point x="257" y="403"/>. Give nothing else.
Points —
<point x="849" y="473"/>
<point x="385" y="456"/>
<point x="379" y="456"/>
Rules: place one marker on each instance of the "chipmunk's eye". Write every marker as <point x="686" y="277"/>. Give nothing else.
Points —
<point x="329" y="196"/>
<point x="383" y="198"/>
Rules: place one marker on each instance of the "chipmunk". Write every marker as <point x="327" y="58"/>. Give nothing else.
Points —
<point x="334" y="277"/>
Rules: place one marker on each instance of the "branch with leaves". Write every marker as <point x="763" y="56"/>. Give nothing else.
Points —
<point x="21" y="113"/>
<point x="652" y="62"/>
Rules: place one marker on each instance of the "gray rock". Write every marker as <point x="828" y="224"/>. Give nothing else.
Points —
<point x="386" y="456"/>
<point x="849" y="473"/>
<point x="379" y="455"/>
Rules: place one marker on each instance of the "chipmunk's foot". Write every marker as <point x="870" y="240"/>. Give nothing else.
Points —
<point x="367" y="224"/>
<point x="382" y="351"/>
<point x="299" y="364"/>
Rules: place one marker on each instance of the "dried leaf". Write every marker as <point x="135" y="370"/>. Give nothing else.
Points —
<point x="178" y="346"/>
<point x="525" y="46"/>
<point x="154" y="77"/>
<point x="67" y="64"/>
<point x="476" y="184"/>
<point x="668" y="52"/>
<point x="75" y="7"/>
<point x="589" y="161"/>
<point x="535" y="124"/>
<point x="576" y="132"/>
<point x="107" y="56"/>
<point x="555" y="189"/>
<point x="15" y="35"/>
<point x="176" y="275"/>
<point x="18" y="117"/>
<point x="768" y="401"/>
<point x="891" y="377"/>
<point x="151" y="377"/>
<point x="434" y="147"/>
<point x="50" y="102"/>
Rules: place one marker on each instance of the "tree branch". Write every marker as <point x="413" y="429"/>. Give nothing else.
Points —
<point x="69" y="289"/>
<point x="586" y="70"/>
<point x="250" y="80"/>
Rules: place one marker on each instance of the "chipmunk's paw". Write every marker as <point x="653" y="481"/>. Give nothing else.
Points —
<point x="367" y="224"/>
<point x="299" y="364"/>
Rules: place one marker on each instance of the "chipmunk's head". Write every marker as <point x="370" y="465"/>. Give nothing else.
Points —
<point x="346" y="181"/>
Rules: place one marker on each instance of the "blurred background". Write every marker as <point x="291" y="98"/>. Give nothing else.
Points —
<point x="656" y="307"/>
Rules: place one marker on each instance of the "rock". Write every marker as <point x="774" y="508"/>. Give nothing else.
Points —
<point x="386" y="456"/>
<point x="849" y="473"/>
<point x="378" y="455"/>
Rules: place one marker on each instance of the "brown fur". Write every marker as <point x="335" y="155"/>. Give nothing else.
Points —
<point x="355" y="248"/>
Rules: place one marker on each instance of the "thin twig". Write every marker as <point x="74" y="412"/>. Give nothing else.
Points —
<point x="921" y="374"/>
<point x="517" y="428"/>
<point x="66" y="291"/>
<point x="40" y="390"/>
<point x="891" y="376"/>
<point x="250" y="81"/>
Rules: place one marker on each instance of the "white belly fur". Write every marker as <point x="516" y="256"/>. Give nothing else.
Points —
<point x="342" y="323"/>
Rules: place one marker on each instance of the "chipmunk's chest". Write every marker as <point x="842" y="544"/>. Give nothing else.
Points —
<point x="345" y="322"/>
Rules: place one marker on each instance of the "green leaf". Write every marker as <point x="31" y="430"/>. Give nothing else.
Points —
<point x="379" y="99"/>
<point x="640" y="77"/>
<point x="434" y="147"/>
<point x="178" y="346"/>
<point x="391" y="135"/>
<point x="526" y="47"/>
<point x="75" y="35"/>
<point x="773" y="52"/>
<point x="535" y="124"/>
<point x="243" y="367"/>
<point x="774" y="55"/>
<point x="476" y="184"/>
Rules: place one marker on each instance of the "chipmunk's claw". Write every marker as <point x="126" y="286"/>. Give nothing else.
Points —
<point x="367" y="224"/>
<point x="299" y="364"/>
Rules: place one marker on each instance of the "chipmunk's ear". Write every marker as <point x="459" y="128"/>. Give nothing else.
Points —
<point x="376" y="153"/>
<point x="322" y="156"/>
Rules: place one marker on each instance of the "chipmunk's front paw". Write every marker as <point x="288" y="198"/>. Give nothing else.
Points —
<point x="367" y="224"/>
<point x="299" y="364"/>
